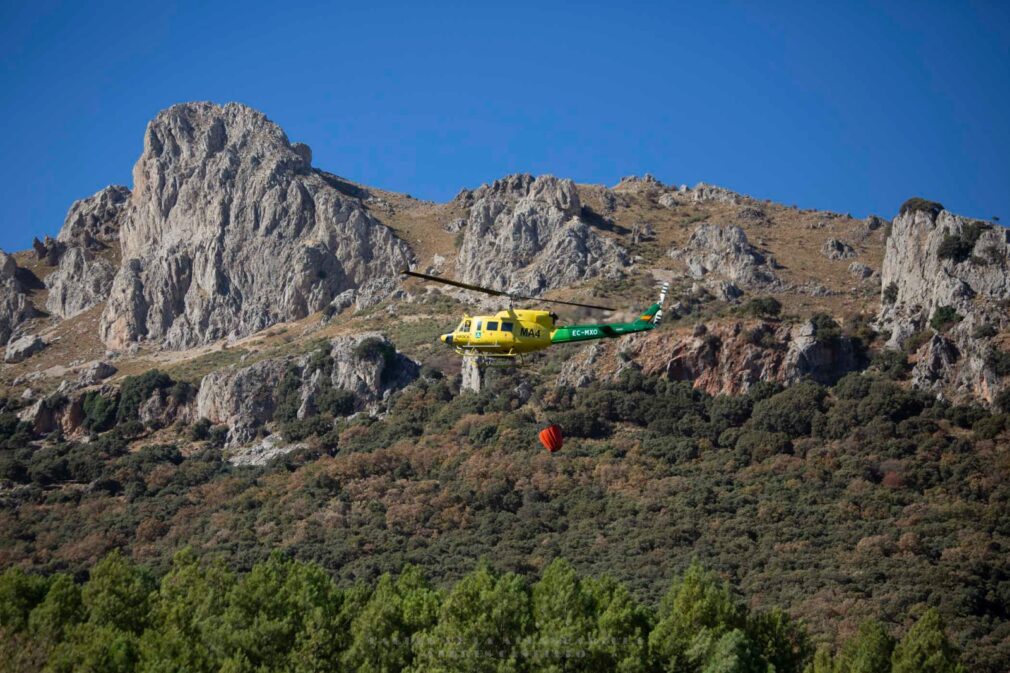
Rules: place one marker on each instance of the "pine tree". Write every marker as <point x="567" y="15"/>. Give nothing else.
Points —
<point x="118" y="594"/>
<point x="925" y="648"/>
<point x="61" y="610"/>
<point x="869" y="651"/>
<point x="698" y="602"/>
<point x="483" y="625"/>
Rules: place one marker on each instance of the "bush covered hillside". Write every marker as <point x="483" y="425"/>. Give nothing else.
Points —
<point x="286" y="615"/>
<point x="838" y="505"/>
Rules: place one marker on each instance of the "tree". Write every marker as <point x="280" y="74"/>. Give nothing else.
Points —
<point x="869" y="651"/>
<point x="782" y="642"/>
<point x="622" y="627"/>
<point x="191" y="602"/>
<point x="925" y="648"/>
<point x="19" y="593"/>
<point x="565" y="621"/>
<point x="732" y="652"/>
<point x="697" y="602"/>
<point x="61" y="609"/>
<point x="483" y="625"/>
<point x="118" y="594"/>
<point x="94" y="648"/>
<point x="382" y="632"/>
<point x="283" y="615"/>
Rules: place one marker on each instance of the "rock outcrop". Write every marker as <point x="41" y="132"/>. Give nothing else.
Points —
<point x="83" y="278"/>
<point x="96" y="221"/>
<point x="860" y="271"/>
<point x="247" y="398"/>
<point x="81" y="281"/>
<point x="21" y="349"/>
<point x="527" y="235"/>
<point x="724" y="251"/>
<point x="935" y="259"/>
<point x="15" y="308"/>
<point x="229" y="230"/>
<point x="835" y="249"/>
<point x="722" y="358"/>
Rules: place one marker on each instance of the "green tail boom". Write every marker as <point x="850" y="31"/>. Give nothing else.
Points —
<point x="571" y="333"/>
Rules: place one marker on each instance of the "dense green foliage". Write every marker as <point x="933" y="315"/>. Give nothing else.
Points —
<point x="943" y="317"/>
<point x="919" y="204"/>
<point x="862" y="500"/>
<point x="286" y="615"/>
<point x="958" y="247"/>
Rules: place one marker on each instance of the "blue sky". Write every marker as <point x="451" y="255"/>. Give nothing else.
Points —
<point x="848" y="106"/>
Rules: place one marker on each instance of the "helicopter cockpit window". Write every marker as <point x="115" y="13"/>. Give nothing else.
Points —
<point x="506" y="327"/>
<point x="478" y="324"/>
<point x="464" y="326"/>
<point x="492" y="326"/>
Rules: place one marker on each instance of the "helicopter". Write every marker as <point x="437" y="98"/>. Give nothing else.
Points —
<point x="504" y="338"/>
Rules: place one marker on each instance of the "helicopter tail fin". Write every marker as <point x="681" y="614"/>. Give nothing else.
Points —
<point x="654" y="314"/>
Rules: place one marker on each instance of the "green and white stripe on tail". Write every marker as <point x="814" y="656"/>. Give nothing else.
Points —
<point x="649" y="319"/>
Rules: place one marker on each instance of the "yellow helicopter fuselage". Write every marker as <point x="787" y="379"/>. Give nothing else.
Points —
<point x="506" y="333"/>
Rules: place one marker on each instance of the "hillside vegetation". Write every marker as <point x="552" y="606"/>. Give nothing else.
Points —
<point x="862" y="500"/>
<point x="286" y="615"/>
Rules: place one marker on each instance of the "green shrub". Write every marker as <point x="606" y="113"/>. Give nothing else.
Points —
<point x="336" y="401"/>
<point x="958" y="247"/>
<point x="218" y="436"/>
<point x="200" y="430"/>
<point x="998" y="361"/>
<point x="759" y="444"/>
<point x="944" y="317"/>
<point x="313" y="426"/>
<point x="991" y="427"/>
<point x="826" y="330"/>
<point x="763" y="307"/>
<point x="853" y="386"/>
<point x="99" y="411"/>
<point x="890" y="293"/>
<point x="985" y="331"/>
<point x="671" y="450"/>
<point x="918" y="204"/>
<point x="136" y="390"/>
<point x="1002" y="401"/>
<point x="578" y="423"/>
<point x="373" y="348"/>
<point x="916" y="341"/>
<point x="289" y="397"/>
<point x="790" y="411"/>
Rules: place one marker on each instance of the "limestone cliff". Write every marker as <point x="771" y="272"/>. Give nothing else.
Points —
<point x="230" y="230"/>
<point x="936" y="261"/>
<point x="528" y="235"/>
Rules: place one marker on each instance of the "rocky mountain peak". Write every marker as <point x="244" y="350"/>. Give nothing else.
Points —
<point x="528" y="234"/>
<point x="948" y="274"/>
<point x="231" y="230"/>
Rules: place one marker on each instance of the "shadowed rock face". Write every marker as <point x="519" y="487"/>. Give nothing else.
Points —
<point x="230" y="230"/>
<point x="721" y="358"/>
<point x="96" y="219"/>
<point x="935" y="260"/>
<point x="14" y="305"/>
<point x="527" y="234"/>
<point x="246" y="398"/>
<point x="81" y="281"/>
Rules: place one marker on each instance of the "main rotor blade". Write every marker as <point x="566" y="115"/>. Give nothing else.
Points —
<point x="558" y="301"/>
<point x="465" y="286"/>
<point x="499" y="293"/>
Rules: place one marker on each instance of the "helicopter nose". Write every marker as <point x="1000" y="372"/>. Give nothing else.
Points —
<point x="446" y="339"/>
